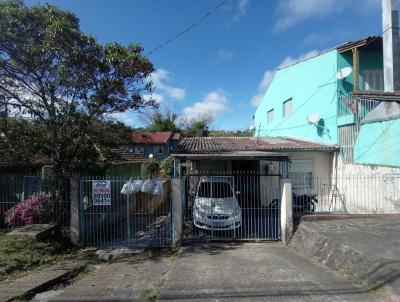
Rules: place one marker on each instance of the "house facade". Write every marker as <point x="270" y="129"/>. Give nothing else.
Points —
<point x="336" y="97"/>
<point x="157" y="144"/>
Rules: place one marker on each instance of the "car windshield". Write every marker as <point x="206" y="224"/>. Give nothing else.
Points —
<point x="215" y="190"/>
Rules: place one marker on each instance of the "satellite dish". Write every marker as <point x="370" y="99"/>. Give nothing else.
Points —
<point x="313" y="119"/>
<point x="251" y="128"/>
<point x="343" y="73"/>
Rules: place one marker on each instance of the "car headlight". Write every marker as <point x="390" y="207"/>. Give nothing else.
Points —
<point x="236" y="212"/>
<point x="199" y="211"/>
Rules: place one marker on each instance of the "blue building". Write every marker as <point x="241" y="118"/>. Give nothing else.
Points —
<point x="336" y="97"/>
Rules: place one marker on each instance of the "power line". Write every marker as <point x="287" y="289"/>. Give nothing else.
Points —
<point x="190" y="27"/>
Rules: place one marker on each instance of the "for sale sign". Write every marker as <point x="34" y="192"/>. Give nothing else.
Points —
<point x="101" y="192"/>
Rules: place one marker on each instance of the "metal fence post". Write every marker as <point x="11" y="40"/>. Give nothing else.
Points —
<point x="75" y="209"/>
<point x="286" y="210"/>
<point x="177" y="213"/>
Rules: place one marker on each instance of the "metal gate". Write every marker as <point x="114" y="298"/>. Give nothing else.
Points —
<point x="109" y="218"/>
<point x="232" y="206"/>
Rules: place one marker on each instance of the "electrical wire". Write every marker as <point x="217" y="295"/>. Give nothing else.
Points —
<point x="319" y="88"/>
<point x="190" y="27"/>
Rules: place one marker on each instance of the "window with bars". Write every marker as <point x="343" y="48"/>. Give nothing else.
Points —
<point x="347" y="139"/>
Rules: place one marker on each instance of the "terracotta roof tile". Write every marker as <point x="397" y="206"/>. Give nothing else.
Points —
<point x="125" y="155"/>
<point x="202" y="145"/>
<point x="152" y="137"/>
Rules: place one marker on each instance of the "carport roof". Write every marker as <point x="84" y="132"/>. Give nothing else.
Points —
<point x="212" y="145"/>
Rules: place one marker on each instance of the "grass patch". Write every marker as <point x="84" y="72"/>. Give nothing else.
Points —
<point x="20" y="253"/>
<point x="148" y="295"/>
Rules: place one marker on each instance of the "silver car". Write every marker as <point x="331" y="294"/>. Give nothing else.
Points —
<point x="215" y="206"/>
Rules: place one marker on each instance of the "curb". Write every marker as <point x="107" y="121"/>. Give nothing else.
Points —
<point x="50" y="283"/>
<point x="372" y="273"/>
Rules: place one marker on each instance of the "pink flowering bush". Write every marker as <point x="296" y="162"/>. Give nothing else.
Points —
<point x="30" y="211"/>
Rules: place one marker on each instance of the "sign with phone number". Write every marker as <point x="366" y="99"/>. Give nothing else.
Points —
<point x="101" y="192"/>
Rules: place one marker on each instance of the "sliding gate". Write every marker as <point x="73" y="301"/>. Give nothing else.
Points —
<point x="232" y="206"/>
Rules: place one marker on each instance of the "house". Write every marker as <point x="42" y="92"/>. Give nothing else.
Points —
<point x="157" y="144"/>
<point x="336" y="97"/>
<point x="267" y="159"/>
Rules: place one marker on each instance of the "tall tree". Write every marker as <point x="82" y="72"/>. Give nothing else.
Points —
<point x="64" y="80"/>
<point x="197" y="128"/>
<point x="161" y="121"/>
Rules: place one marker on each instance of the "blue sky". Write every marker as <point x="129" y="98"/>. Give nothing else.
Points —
<point x="222" y="67"/>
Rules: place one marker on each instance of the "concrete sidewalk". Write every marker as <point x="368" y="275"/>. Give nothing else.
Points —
<point x="137" y="278"/>
<point x="253" y="272"/>
<point x="366" y="249"/>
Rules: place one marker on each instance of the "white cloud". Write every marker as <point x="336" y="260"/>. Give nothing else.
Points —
<point x="159" y="98"/>
<point x="223" y="55"/>
<point x="240" y="10"/>
<point x="255" y="101"/>
<point x="292" y="12"/>
<point x="124" y="117"/>
<point x="159" y="78"/>
<point x="214" y="103"/>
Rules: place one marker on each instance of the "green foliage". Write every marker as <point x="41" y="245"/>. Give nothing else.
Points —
<point x="158" y="121"/>
<point x="150" y="168"/>
<point x="67" y="82"/>
<point x="167" y="166"/>
<point x="230" y="133"/>
<point x="197" y="128"/>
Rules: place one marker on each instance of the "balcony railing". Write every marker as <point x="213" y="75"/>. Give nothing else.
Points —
<point x="357" y="107"/>
<point x="350" y="111"/>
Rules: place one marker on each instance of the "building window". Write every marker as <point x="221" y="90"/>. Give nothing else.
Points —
<point x="139" y="150"/>
<point x="159" y="149"/>
<point x="373" y="80"/>
<point x="301" y="173"/>
<point x="270" y="116"/>
<point x="287" y="107"/>
<point x="347" y="138"/>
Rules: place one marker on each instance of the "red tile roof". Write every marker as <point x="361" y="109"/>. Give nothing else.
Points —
<point x="120" y="155"/>
<point x="154" y="137"/>
<point x="209" y="145"/>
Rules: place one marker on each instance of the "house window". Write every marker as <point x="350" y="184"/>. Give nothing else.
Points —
<point x="139" y="150"/>
<point x="270" y="116"/>
<point x="159" y="149"/>
<point x="287" y="107"/>
<point x="301" y="173"/>
<point x="373" y="80"/>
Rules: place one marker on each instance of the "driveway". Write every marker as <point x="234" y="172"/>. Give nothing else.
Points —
<point x="253" y="272"/>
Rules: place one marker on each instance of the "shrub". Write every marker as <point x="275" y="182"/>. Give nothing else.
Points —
<point x="150" y="168"/>
<point x="34" y="210"/>
<point x="167" y="166"/>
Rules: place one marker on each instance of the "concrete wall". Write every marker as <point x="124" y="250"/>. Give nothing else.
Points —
<point x="378" y="144"/>
<point x="366" y="188"/>
<point x="312" y="86"/>
<point x="322" y="175"/>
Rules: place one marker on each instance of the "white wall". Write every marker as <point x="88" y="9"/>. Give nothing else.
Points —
<point x="367" y="188"/>
<point x="322" y="174"/>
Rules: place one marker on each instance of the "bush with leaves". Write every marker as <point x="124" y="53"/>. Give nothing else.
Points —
<point x="30" y="211"/>
<point x="167" y="166"/>
<point x="150" y="169"/>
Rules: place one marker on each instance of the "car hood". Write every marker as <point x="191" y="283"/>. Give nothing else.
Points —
<point x="217" y="205"/>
